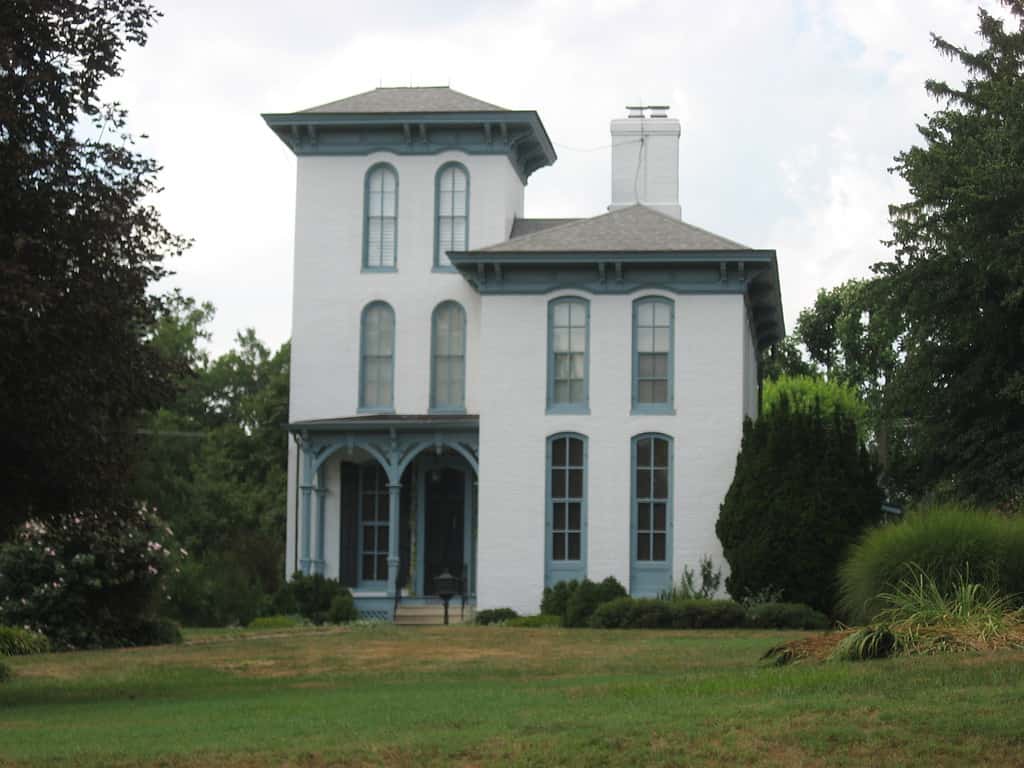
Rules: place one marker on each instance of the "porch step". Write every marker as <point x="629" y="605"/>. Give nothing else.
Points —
<point x="432" y="614"/>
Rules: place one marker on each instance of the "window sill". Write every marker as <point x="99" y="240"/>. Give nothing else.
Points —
<point x="378" y="270"/>
<point x="374" y="411"/>
<point x="568" y="410"/>
<point x="652" y="410"/>
<point x="444" y="269"/>
<point x="447" y="411"/>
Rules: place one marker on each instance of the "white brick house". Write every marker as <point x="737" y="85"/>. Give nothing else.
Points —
<point x="516" y="401"/>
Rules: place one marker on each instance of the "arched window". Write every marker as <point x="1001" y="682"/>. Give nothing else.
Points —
<point x="566" y="517"/>
<point x="568" y="346"/>
<point x="452" y="201"/>
<point x="380" y="232"/>
<point x="377" y="358"/>
<point x="448" y="358"/>
<point x="651" y="545"/>
<point x="652" y="355"/>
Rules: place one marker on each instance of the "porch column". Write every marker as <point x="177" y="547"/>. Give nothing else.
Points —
<point x="394" y="497"/>
<point x="319" y="564"/>
<point x="305" y="523"/>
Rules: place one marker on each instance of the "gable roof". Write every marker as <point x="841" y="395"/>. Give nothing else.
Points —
<point x="439" y="98"/>
<point x="635" y="229"/>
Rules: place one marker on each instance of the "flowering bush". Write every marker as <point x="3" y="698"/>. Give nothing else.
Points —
<point x="91" y="580"/>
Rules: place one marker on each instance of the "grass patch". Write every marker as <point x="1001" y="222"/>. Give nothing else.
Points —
<point x="465" y="695"/>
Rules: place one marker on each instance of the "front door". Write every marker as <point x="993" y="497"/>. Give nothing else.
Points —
<point x="445" y="506"/>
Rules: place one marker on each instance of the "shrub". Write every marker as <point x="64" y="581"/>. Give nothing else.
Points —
<point x="343" y="608"/>
<point x="5" y="672"/>
<point x="313" y="596"/>
<point x="555" y="599"/>
<point x="279" y="621"/>
<point x="807" y="393"/>
<point x="585" y="599"/>
<point x="786" y="616"/>
<point x="707" y="614"/>
<point x="710" y="581"/>
<point x="88" y="580"/>
<point x="632" y="613"/>
<point x="648" y="613"/>
<point x="495" y="616"/>
<point x="535" y="622"/>
<point x="215" y="592"/>
<point x="945" y="542"/>
<point x="15" y="641"/>
<point x="805" y="488"/>
<point x="154" y="631"/>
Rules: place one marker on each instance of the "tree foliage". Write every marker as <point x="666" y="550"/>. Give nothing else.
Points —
<point x="804" y="490"/>
<point x="956" y="285"/>
<point x="215" y="466"/>
<point x="79" y="247"/>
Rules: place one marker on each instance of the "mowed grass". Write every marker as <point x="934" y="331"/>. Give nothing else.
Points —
<point x="492" y="695"/>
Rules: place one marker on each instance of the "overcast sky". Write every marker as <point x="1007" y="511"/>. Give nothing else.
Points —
<point x="791" y="114"/>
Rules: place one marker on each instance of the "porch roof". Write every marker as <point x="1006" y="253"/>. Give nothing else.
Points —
<point x="426" y="422"/>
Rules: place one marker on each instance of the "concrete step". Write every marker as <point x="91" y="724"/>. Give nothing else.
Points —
<point x="433" y="614"/>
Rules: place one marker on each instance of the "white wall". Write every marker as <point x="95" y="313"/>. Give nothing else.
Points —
<point x="706" y="430"/>
<point x="331" y="290"/>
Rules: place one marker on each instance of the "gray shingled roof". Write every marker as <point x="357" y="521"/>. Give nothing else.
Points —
<point x="523" y="227"/>
<point x="633" y="229"/>
<point x="439" y="98"/>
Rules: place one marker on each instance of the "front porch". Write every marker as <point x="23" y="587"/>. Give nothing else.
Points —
<point x="386" y="504"/>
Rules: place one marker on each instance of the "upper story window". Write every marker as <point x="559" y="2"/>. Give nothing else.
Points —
<point x="568" y="349"/>
<point x="452" y="202"/>
<point x="377" y="358"/>
<point x="380" y="231"/>
<point x="652" y="355"/>
<point x="448" y="358"/>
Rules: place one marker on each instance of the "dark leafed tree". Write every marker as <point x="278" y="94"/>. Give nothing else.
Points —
<point x="957" y="282"/>
<point x="79" y="246"/>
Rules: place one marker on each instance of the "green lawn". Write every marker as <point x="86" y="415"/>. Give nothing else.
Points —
<point x="486" y="695"/>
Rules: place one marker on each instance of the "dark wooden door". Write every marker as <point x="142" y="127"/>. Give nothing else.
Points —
<point x="445" y="523"/>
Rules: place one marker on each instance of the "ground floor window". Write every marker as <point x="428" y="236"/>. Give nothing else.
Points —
<point x="651" y="514"/>
<point x="566" y="514"/>
<point x="373" y="523"/>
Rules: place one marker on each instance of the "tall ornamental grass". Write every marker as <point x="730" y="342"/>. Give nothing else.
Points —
<point x="947" y="543"/>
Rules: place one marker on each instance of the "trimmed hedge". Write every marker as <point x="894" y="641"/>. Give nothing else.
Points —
<point x="538" y="621"/>
<point x="495" y="616"/>
<point x="786" y="616"/>
<point x="15" y="641"/>
<point x="586" y="598"/>
<point x="946" y="542"/>
<point x="279" y="621"/>
<point x="343" y="608"/>
<point x="649" y="613"/>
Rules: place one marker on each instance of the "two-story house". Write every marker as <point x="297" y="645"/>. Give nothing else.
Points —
<point x="515" y="401"/>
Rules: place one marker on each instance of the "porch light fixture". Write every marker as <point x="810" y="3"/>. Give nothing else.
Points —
<point x="446" y="586"/>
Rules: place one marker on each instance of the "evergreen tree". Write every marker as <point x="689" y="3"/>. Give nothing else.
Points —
<point x="804" y="490"/>
<point x="956" y="285"/>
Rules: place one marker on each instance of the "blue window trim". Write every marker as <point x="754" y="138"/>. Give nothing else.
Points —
<point x="434" y="408"/>
<point x="390" y="408"/>
<point x="567" y="569"/>
<point x="669" y="407"/>
<point x="368" y="584"/>
<point x="664" y="569"/>
<point x="551" y="406"/>
<point x="438" y="266"/>
<point x="366" y="217"/>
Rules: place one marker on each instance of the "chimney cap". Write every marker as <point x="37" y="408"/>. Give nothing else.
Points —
<point x="659" y="110"/>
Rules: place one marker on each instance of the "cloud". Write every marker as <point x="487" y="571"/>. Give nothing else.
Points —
<point x="792" y="110"/>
